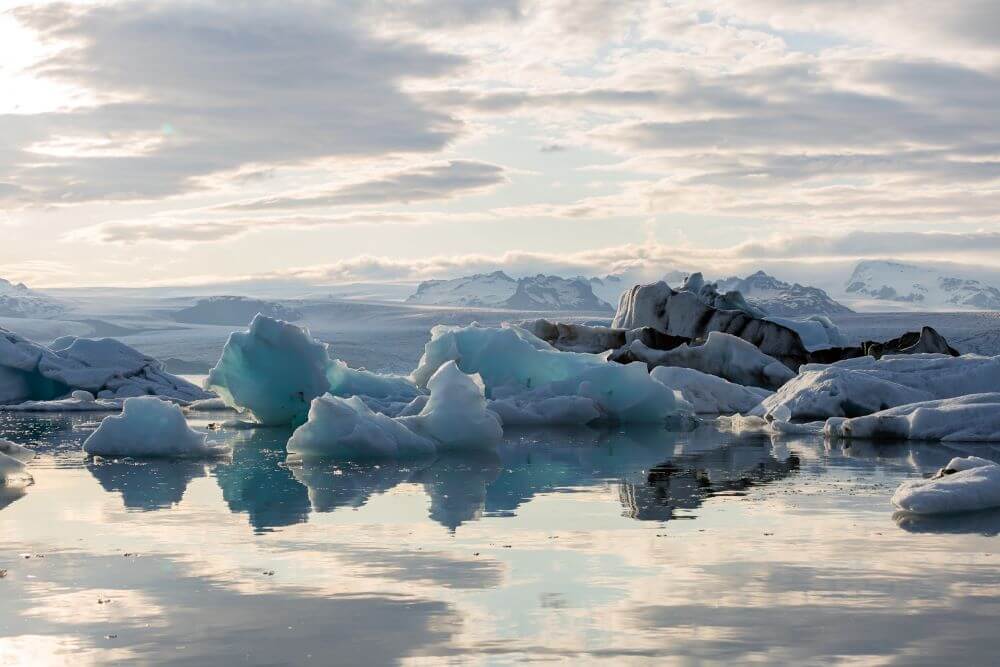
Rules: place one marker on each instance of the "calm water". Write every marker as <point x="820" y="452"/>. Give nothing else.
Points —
<point x="573" y="546"/>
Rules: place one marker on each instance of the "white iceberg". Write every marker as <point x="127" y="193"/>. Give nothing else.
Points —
<point x="13" y="458"/>
<point x="525" y="373"/>
<point x="964" y="485"/>
<point x="275" y="369"/>
<point x="722" y="355"/>
<point x="16" y="451"/>
<point x="453" y="418"/>
<point x="708" y="393"/>
<point x="862" y="386"/>
<point x="150" y="427"/>
<point x="972" y="418"/>
<point x="106" y="368"/>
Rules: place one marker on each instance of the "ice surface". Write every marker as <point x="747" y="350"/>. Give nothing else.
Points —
<point x="453" y="418"/>
<point x="964" y="485"/>
<point x="862" y="386"/>
<point x="817" y="332"/>
<point x="71" y="404"/>
<point x="105" y="367"/>
<point x="150" y="427"/>
<point x="275" y="369"/>
<point x="722" y="355"/>
<point x="975" y="418"/>
<point x="708" y="393"/>
<point x="526" y="373"/>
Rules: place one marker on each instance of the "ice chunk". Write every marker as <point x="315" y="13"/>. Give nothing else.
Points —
<point x="150" y="427"/>
<point x="964" y="485"/>
<point x="534" y="411"/>
<point x="79" y="401"/>
<point x="973" y="418"/>
<point x="722" y="355"/>
<point x="862" y="386"/>
<point x="453" y="418"/>
<point x="345" y="428"/>
<point x="525" y="373"/>
<point x="275" y="369"/>
<point x="708" y="393"/>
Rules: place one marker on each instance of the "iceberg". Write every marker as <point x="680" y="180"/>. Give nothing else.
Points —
<point x="971" y="418"/>
<point x="522" y="374"/>
<point x="862" y="386"/>
<point x="454" y="417"/>
<point x="78" y="401"/>
<point x="817" y="332"/>
<point x="964" y="485"/>
<point x="708" y="393"/>
<point x="105" y="368"/>
<point x="722" y="355"/>
<point x="150" y="427"/>
<point x="274" y="370"/>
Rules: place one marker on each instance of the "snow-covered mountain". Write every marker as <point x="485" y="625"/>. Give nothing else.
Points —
<point x="498" y="290"/>
<point x="782" y="299"/>
<point x="920" y="286"/>
<point x="16" y="300"/>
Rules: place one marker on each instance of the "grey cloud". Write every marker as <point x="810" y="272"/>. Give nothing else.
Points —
<point x="218" y="86"/>
<point x="427" y="182"/>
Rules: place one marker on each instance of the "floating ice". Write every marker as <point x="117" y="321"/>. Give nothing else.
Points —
<point x="862" y="386"/>
<point x="525" y="373"/>
<point x="274" y="370"/>
<point x="453" y="418"/>
<point x="345" y="428"/>
<point x="722" y="355"/>
<point x="150" y="427"/>
<point x="13" y="458"/>
<point x="972" y="418"/>
<point x="964" y="485"/>
<point x="106" y="368"/>
<point x="78" y="401"/>
<point x="708" y="393"/>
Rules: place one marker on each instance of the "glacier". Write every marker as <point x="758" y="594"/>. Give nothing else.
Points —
<point x="150" y="427"/>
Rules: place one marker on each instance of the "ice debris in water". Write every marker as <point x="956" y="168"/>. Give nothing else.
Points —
<point x="709" y="393"/>
<point x="964" y="485"/>
<point x="150" y="427"/>
<point x="275" y="369"/>
<point x="529" y="381"/>
<point x="13" y="458"/>
<point x="972" y="418"/>
<point x="453" y="418"/>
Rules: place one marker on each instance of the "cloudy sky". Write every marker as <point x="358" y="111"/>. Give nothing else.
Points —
<point x="182" y="142"/>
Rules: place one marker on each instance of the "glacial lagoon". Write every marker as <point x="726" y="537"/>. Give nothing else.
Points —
<point x="569" y="544"/>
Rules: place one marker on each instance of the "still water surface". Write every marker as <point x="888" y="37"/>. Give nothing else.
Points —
<point x="576" y="546"/>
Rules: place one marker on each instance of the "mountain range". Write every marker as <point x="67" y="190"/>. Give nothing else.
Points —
<point x="919" y="287"/>
<point x="498" y="290"/>
<point x="17" y="300"/>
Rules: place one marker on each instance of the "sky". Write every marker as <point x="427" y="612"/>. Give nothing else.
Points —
<point x="177" y="143"/>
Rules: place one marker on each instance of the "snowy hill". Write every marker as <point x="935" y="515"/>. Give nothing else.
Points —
<point x="498" y="290"/>
<point x="921" y="287"/>
<point x="16" y="300"/>
<point x="782" y="299"/>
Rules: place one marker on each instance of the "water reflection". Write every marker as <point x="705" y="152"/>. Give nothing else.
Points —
<point x="256" y="480"/>
<point x="332" y="485"/>
<point x="146" y="485"/>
